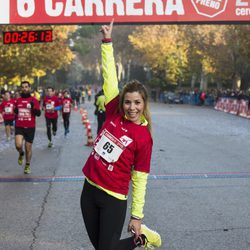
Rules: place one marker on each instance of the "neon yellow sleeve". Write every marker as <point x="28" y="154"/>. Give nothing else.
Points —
<point x="110" y="85"/>
<point x="139" y="183"/>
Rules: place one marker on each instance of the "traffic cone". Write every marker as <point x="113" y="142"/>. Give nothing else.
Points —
<point x="84" y="119"/>
<point x="75" y="108"/>
<point x="81" y="110"/>
<point x="86" y="123"/>
<point x="90" y="141"/>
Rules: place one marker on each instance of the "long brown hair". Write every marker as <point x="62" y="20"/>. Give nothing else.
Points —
<point x="136" y="86"/>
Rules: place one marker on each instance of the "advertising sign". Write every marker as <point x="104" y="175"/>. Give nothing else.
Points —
<point x="124" y="11"/>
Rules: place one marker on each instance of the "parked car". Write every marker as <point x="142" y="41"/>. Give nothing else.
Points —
<point x="172" y="98"/>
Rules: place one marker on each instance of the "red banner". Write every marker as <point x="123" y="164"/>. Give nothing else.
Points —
<point x="124" y="11"/>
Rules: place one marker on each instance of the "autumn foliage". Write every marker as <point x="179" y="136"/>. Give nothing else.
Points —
<point x="27" y="61"/>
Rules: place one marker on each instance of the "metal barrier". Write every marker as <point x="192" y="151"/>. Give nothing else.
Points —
<point x="233" y="106"/>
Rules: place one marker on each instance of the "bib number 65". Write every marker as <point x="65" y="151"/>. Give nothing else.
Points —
<point x="108" y="147"/>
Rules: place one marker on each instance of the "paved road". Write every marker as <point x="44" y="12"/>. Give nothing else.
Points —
<point x="198" y="192"/>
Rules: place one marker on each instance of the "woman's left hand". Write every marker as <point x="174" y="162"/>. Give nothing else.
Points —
<point x="135" y="227"/>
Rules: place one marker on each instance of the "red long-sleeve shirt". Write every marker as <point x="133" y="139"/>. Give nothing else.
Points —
<point x="7" y="109"/>
<point x="25" y="117"/>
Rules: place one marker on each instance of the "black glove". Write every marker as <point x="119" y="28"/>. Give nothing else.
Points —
<point x="16" y="110"/>
<point x="36" y="112"/>
<point x="32" y="104"/>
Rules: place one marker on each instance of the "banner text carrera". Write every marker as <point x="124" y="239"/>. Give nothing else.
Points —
<point x="67" y="8"/>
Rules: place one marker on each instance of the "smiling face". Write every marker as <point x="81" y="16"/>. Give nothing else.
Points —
<point x="133" y="106"/>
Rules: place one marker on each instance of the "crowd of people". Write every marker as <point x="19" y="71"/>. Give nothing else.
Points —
<point x="199" y="97"/>
<point x="19" y="119"/>
<point x="19" y="111"/>
<point x="230" y="93"/>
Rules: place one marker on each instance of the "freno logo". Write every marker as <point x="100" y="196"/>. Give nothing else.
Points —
<point x="209" y="8"/>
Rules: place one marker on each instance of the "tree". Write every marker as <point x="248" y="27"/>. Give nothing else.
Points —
<point x="165" y="50"/>
<point x="203" y="43"/>
<point x="19" y="61"/>
<point x="234" y="53"/>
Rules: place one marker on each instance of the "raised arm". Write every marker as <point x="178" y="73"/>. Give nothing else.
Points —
<point x="110" y="85"/>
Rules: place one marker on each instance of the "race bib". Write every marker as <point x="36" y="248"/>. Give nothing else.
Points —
<point x="49" y="106"/>
<point x="66" y="110"/>
<point x="109" y="147"/>
<point x="8" y="110"/>
<point x="24" y="113"/>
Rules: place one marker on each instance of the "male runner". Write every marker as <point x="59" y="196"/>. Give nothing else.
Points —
<point x="51" y="104"/>
<point x="27" y="108"/>
<point x="66" y="110"/>
<point x="7" y="109"/>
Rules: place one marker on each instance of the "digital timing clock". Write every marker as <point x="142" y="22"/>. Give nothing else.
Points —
<point x="27" y="36"/>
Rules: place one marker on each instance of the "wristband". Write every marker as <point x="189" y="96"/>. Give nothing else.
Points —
<point x="134" y="218"/>
<point x="107" y="40"/>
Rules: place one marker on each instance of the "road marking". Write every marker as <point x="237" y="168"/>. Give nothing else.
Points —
<point x="214" y="175"/>
<point x="171" y="176"/>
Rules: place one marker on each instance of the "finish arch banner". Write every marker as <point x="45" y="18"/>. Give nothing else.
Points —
<point x="124" y="11"/>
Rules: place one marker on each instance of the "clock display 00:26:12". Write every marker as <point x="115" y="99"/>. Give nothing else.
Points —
<point x="28" y="36"/>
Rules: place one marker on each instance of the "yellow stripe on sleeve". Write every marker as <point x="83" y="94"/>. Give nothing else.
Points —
<point x="139" y="184"/>
<point x="110" y="85"/>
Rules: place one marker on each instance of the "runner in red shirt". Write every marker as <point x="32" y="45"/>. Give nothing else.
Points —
<point x="27" y="108"/>
<point x="122" y="153"/>
<point x="51" y="105"/>
<point x="7" y="109"/>
<point x="66" y="110"/>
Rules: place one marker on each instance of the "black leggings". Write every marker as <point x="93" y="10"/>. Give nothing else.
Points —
<point x="104" y="218"/>
<point x="48" y="125"/>
<point x="66" y="120"/>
